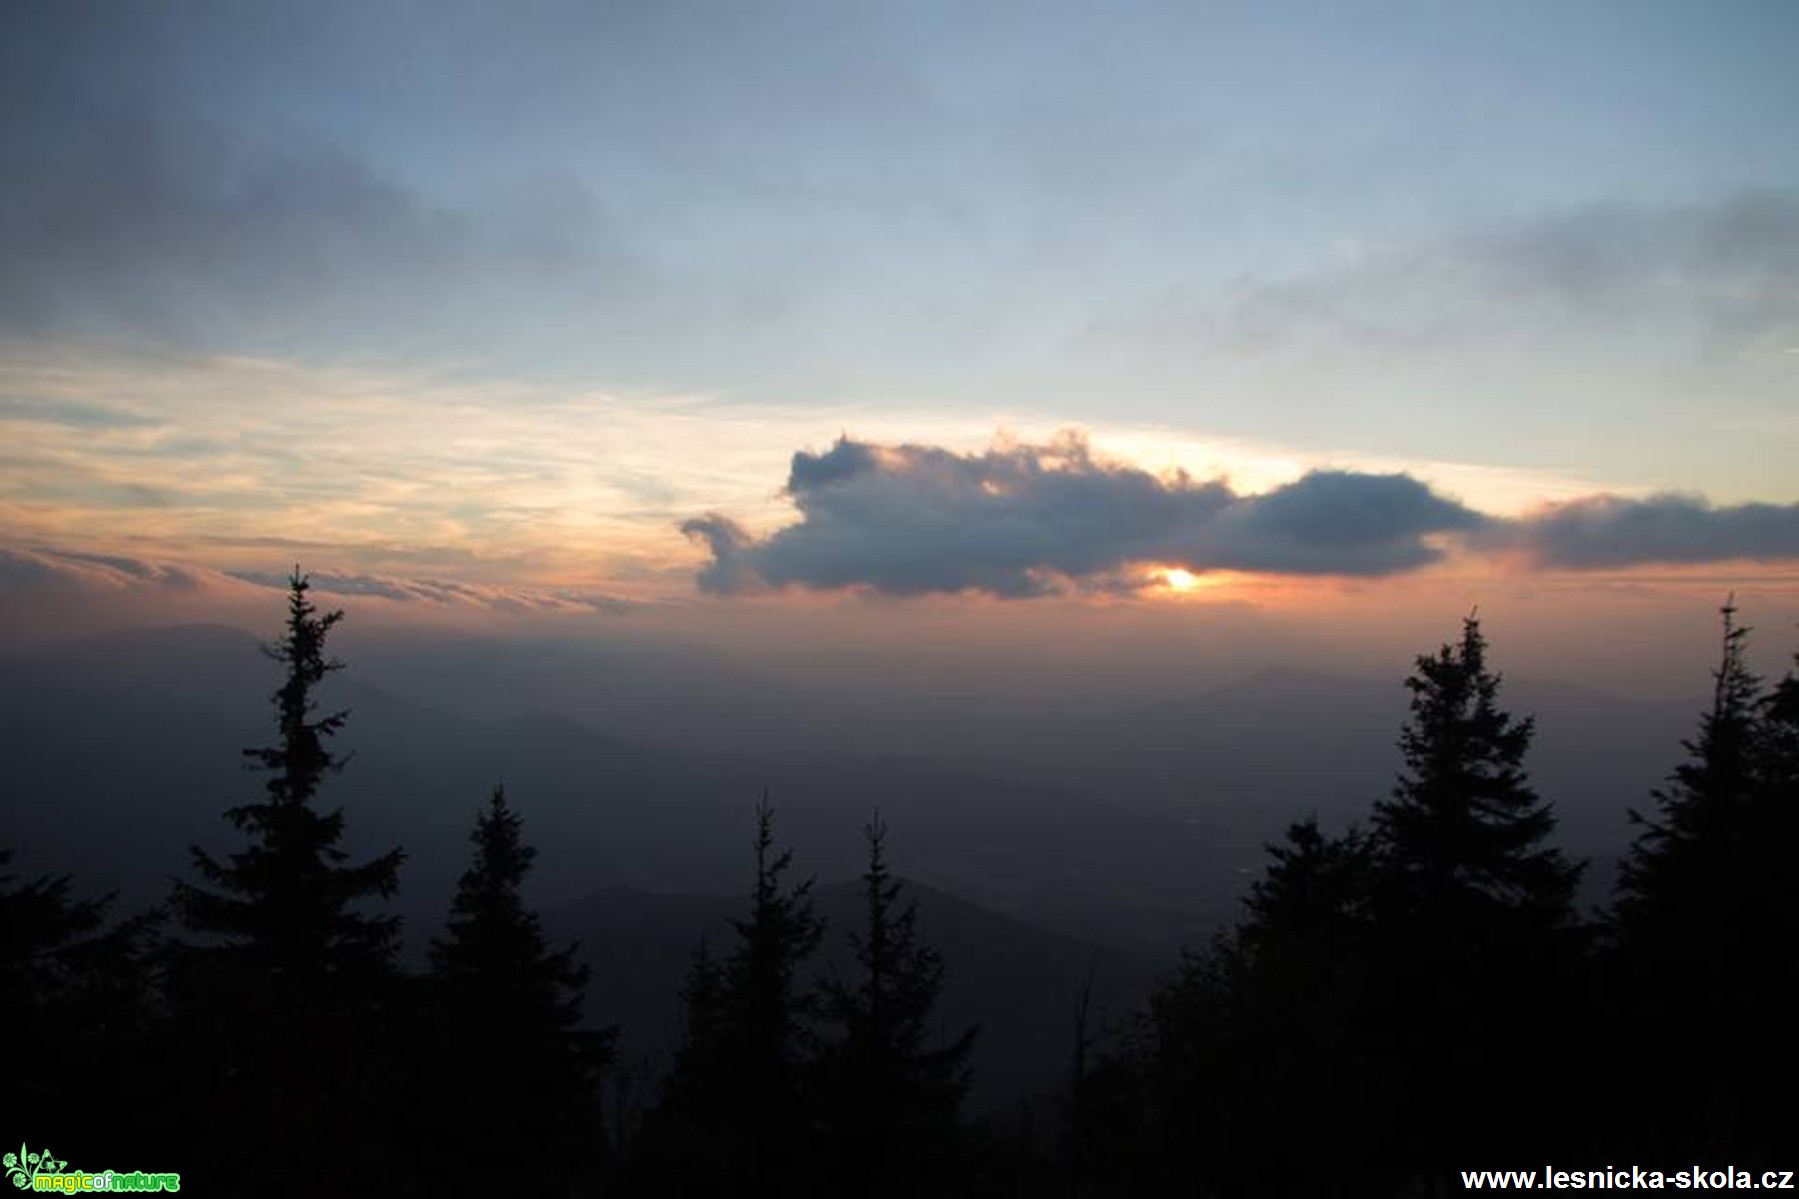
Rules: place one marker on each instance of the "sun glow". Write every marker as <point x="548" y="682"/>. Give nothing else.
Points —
<point x="1179" y="583"/>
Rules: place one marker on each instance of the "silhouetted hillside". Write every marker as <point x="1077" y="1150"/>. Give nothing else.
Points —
<point x="1133" y="825"/>
<point x="1018" y="981"/>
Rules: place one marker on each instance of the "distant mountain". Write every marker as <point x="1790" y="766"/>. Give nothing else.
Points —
<point x="1299" y="741"/>
<point x="1017" y="981"/>
<point x="122" y="751"/>
<point x="1134" y="823"/>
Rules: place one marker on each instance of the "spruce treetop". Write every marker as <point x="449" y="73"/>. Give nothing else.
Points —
<point x="495" y="948"/>
<point x="286" y="899"/>
<point x="1463" y="824"/>
<point x="1682" y="871"/>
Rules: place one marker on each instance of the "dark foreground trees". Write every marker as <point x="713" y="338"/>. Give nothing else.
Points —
<point x="1260" y="1043"/>
<point x="509" y="1061"/>
<point x="1705" y="929"/>
<point x="73" y="998"/>
<point x="285" y="990"/>
<point x="737" y="1087"/>
<point x="848" y="1086"/>
<point x="1382" y="1014"/>
<point x="889" y="1084"/>
<point x="1472" y="933"/>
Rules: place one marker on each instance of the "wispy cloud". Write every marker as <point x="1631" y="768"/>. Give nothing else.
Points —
<point x="1641" y="341"/>
<point x="449" y="592"/>
<point x="1723" y="270"/>
<point x="48" y="573"/>
<point x="75" y="413"/>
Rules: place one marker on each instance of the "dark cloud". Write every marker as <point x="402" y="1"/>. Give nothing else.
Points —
<point x="155" y="221"/>
<point x="729" y="572"/>
<point x="1337" y="522"/>
<point x="1025" y="520"/>
<point x="1609" y="531"/>
<point x="139" y="204"/>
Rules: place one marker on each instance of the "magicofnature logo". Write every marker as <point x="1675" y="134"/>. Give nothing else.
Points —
<point x="45" y="1172"/>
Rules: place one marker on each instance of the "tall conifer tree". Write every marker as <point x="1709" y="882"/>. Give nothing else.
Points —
<point x="891" y="1088"/>
<point x="737" y="1086"/>
<point x="1706" y="924"/>
<point x="285" y="903"/>
<point x="287" y="991"/>
<point x="1676" y="885"/>
<point x="522" y="1070"/>
<point x="764" y="1035"/>
<point x="1472" y="919"/>
<point x="1463" y="843"/>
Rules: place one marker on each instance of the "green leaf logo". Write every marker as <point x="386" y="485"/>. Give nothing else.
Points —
<point x="22" y="1167"/>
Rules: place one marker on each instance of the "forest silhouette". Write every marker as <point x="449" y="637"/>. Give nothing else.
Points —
<point x="1398" y="1000"/>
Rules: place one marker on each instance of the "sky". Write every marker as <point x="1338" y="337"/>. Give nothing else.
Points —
<point x="880" y="317"/>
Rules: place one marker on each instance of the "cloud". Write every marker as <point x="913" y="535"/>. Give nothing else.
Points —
<point x="1337" y="522"/>
<point x="1721" y="269"/>
<point x="73" y="413"/>
<point x="1583" y="330"/>
<point x="1604" y="531"/>
<point x="54" y="574"/>
<point x="1025" y="520"/>
<point x="47" y="572"/>
<point x="447" y="592"/>
<point x="728" y="573"/>
<point x="144" y="205"/>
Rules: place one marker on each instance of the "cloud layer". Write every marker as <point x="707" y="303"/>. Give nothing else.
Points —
<point x="1025" y="520"/>
<point x="52" y="574"/>
<point x="1605" y="531"/>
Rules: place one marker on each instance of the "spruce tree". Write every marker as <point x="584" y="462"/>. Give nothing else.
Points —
<point x="1706" y="925"/>
<point x="286" y="902"/>
<point x="1675" y="887"/>
<point x="1310" y="903"/>
<point x="764" y="1037"/>
<point x="508" y="1011"/>
<point x="287" y="987"/>
<point x="1775" y="902"/>
<point x="693" y="1108"/>
<point x="738" y="1081"/>
<point x="1462" y="844"/>
<point x="891" y="1088"/>
<point x="72" y="987"/>
<point x="1472" y="917"/>
<point x="1259" y="1043"/>
<point x="702" y="1016"/>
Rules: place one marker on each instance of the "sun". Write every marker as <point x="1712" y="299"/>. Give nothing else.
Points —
<point x="1180" y="580"/>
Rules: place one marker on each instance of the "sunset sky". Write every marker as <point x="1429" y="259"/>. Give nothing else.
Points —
<point x="599" y="312"/>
